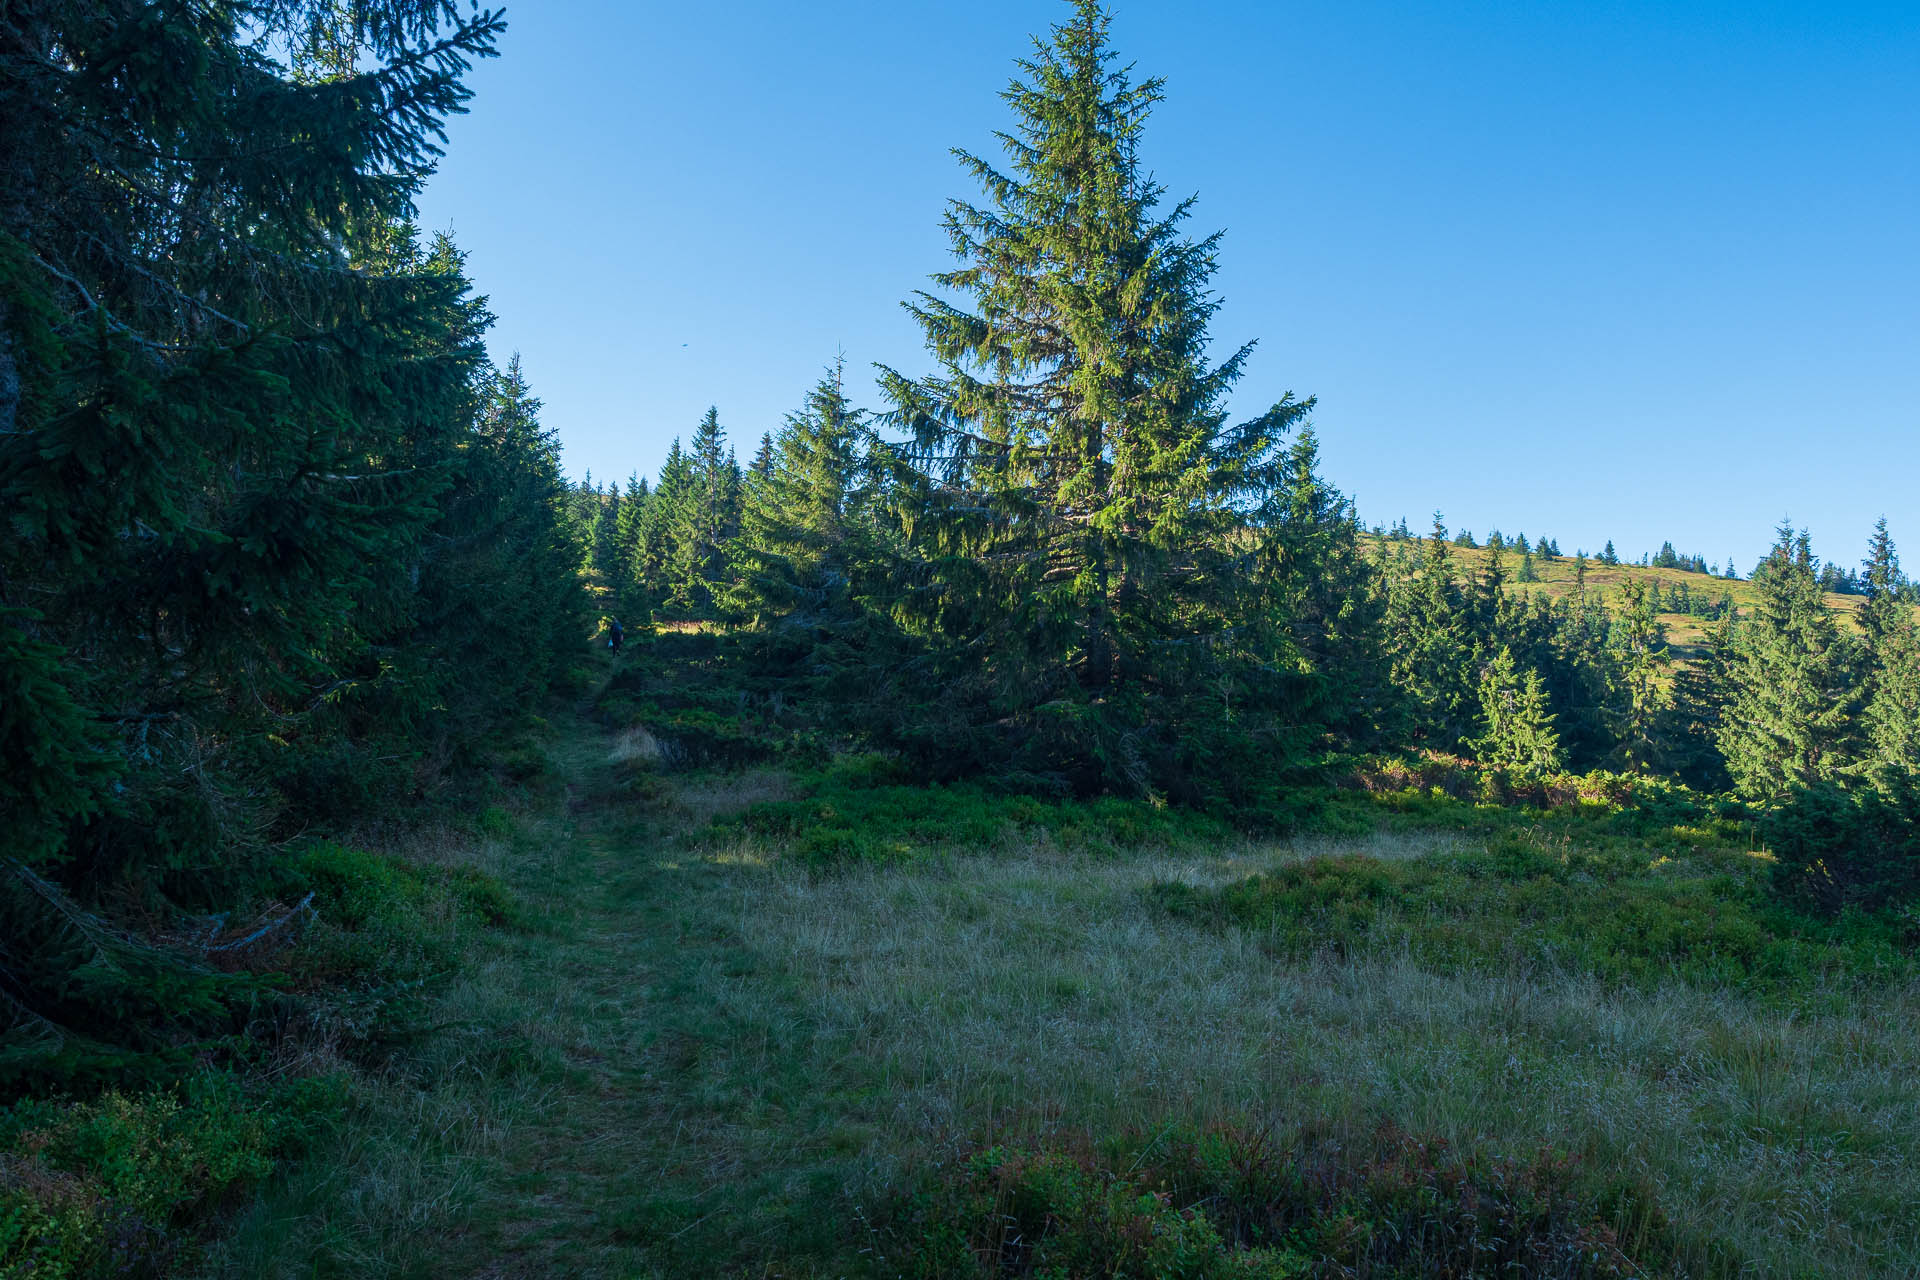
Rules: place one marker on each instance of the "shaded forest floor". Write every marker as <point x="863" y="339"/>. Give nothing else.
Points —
<point x="703" y="1056"/>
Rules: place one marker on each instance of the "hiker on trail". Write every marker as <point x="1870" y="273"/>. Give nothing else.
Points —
<point x="614" y="634"/>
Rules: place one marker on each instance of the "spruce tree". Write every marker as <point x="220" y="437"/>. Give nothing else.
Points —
<point x="1690" y="735"/>
<point x="499" y="598"/>
<point x="1488" y="606"/>
<point x="1787" y="719"/>
<point x="809" y="516"/>
<point x="1890" y="666"/>
<point x="702" y="521"/>
<point x="625" y="579"/>
<point x="233" y="382"/>
<point x="604" y="552"/>
<point x="1640" y="695"/>
<point x="256" y="489"/>
<point x="1089" y="522"/>
<point x="1578" y="666"/>
<point x="1323" y="587"/>
<point x="1431" y="643"/>
<point x="656" y="553"/>
<point x="1885" y="611"/>
<point x="1516" y="729"/>
<point x="582" y="505"/>
<point x="1892" y="716"/>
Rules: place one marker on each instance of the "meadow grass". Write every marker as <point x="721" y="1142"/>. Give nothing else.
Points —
<point x="709" y="1050"/>
<point x="1020" y="993"/>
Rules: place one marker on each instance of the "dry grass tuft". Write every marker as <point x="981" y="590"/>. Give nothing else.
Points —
<point x="634" y="744"/>
<point x="701" y="799"/>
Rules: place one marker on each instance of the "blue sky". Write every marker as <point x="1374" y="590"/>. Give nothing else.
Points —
<point x="1634" y="270"/>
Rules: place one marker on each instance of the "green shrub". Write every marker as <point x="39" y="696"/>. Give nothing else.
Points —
<point x="485" y="898"/>
<point x="494" y="821"/>
<point x="1836" y="849"/>
<point x="355" y="888"/>
<point x="1233" y="1203"/>
<point x="330" y="779"/>
<point x="854" y="816"/>
<point x="525" y="763"/>
<point x="114" y="1186"/>
<point x="383" y="929"/>
<point x="1626" y="917"/>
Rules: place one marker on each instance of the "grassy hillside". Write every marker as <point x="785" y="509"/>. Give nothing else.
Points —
<point x="1683" y="631"/>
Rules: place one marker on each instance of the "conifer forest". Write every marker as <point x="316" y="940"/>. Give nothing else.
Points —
<point x="1015" y="817"/>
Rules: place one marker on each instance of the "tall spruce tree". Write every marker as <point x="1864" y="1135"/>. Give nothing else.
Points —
<point x="605" y="552"/>
<point x="656" y="553"/>
<point x="1084" y="506"/>
<point x="1890" y="667"/>
<point x="703" y="520"/>
<point x="1431" y="642"/>
<point x="1323" y="586"/>
<point x="500" y="603"/>
<point x="630" y="597"/>
<point x="1516" y="729"/>
<point x="1787" y="719"/>
<point x="254" y="495"/>
<point x="1885" y="611"/>
<point x="1638" y="644"/>
<point x="806" y="519"/>
<point x="1690" y="737"/>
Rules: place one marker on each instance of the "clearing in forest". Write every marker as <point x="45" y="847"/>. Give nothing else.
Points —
<point x="710" y="1052"/>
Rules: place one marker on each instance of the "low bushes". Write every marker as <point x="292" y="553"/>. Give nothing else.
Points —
<point x="115" y="1185"/>
<point x="1233" y="1203"/>
<point x="856" y="816"/>
<point x="379" y="917"/>
<point x="1446" y="792"/>
<point x="1625" y="916"/>
<point x="1837" y="849"/>
<point x="116" y="1181"/>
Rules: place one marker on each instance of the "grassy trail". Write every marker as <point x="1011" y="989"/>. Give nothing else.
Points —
<point x="567" y="1114"/>
<point x="701" y="1059"/>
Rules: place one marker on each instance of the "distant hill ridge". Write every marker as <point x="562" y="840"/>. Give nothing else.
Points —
<point x="1556" y="578"/>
